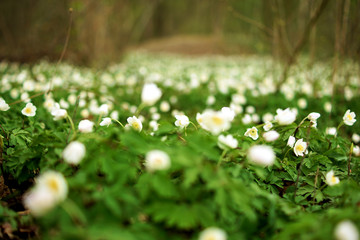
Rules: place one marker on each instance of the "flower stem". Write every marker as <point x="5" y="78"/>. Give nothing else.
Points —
<point x="138" y="110"/>
<point x="99" y="119"/>
<point x="338" y="127"/>
<point x="287" y="152"/>
<point x="118" y="122"/>
<point x="72" y="126"/>
<point x="194" y="125"/>
<point x="222" y="157"/>
<point x="297" y="128"/>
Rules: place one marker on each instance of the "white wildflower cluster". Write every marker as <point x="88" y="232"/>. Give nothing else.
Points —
<point x="227" y="112"/>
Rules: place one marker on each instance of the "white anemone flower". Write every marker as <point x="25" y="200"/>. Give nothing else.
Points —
<point x="228" y="113"/>
<point x="39" y="201"/>
<point x="262" y="155"/>
<point x="182" y="121"/>
<point x="150" y="94"/>
<point x="356" y="151"/>
<point x="55" y="183"/>
<point x="86" y="126"/>
<point x="210" y="100"/>
<point x="154" y="125"/>
<point x="135" y="123"/>
<point x="49" y="103"/>
<point x="246" y="119"/>
<point x="3" y="105"/>
<point x="50" y="189"/>
<point x="115" y="115"/>
<point x="349" y="118"/>
<point x="302" y="103"/>
<point x="85" y="113"/>
<point x="105" y="122"/>
<point x="267" y="126"/>
<point x="29" y="110"/>
<point x="313" y="116"/>
<point x="300" y="148"/>
<point x="291" y="141"/>
<point x="213" y="121"/>
<point x="271" y="136"/>
<point x="346" y="230"/>
<point x="285" y="117"/>
<point x="164" y="106"/>
<point x="74" y="152"/>
<point x="157" y="160"/>
<point x="331" y="131"/>
<point x="104" y="109"/>
<point x="355" y="138"/>
<point x="252" y="132"/>
<point x="228" y="141"/>
<point x="213" y="233"/>
<point x="330" y="179"/>
<point x="267" y="117"/>
<point x="327" y="107"/>
<point x="58" y="113"/>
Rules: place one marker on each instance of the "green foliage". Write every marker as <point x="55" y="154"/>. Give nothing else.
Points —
<point x="112" y="195"/>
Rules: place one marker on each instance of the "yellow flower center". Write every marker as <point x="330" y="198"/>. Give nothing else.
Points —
<point x="158" y="161"/>
<point x="211" y="238"/>
<point x="252" y="132"/>
<point x="28" y="110"/>
<point x="217" y="120"/>
<point x="349" y="117"/>
<point x="300" y="148"/>
<point x="53" y="185"/>
<point x="333" y="179"/>
<point x="136" y="125"/>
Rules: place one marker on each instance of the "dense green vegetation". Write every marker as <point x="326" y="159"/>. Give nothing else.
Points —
<point x="109" y="186"/>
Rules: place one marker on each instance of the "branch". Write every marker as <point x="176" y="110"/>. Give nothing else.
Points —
<point x="262" y="27"/>
<point x="301" y="43"/>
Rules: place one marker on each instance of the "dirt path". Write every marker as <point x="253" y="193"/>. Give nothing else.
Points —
<point x="190" y="45"/>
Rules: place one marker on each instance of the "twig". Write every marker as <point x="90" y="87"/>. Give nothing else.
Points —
<point x="76" y="107"/>
<point x="1" y="167"/>
<point x="315" y="183"/>
<point x="301" y="43"/>
<point x="73" y="116"/>
<point x="67" y="37"/>
<point x="298" y="126"/>
<point x="31" y="97"/>
<point x="6" y="136"/>
<point x="349" y="160"/>
<point x="251" y="21"/>
<point x="65" y="47"/>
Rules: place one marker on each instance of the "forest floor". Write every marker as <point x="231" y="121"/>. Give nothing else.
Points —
<point x="193" y="45"/>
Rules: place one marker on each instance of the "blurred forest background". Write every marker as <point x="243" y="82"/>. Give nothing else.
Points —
<point x="102" y="31"/>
